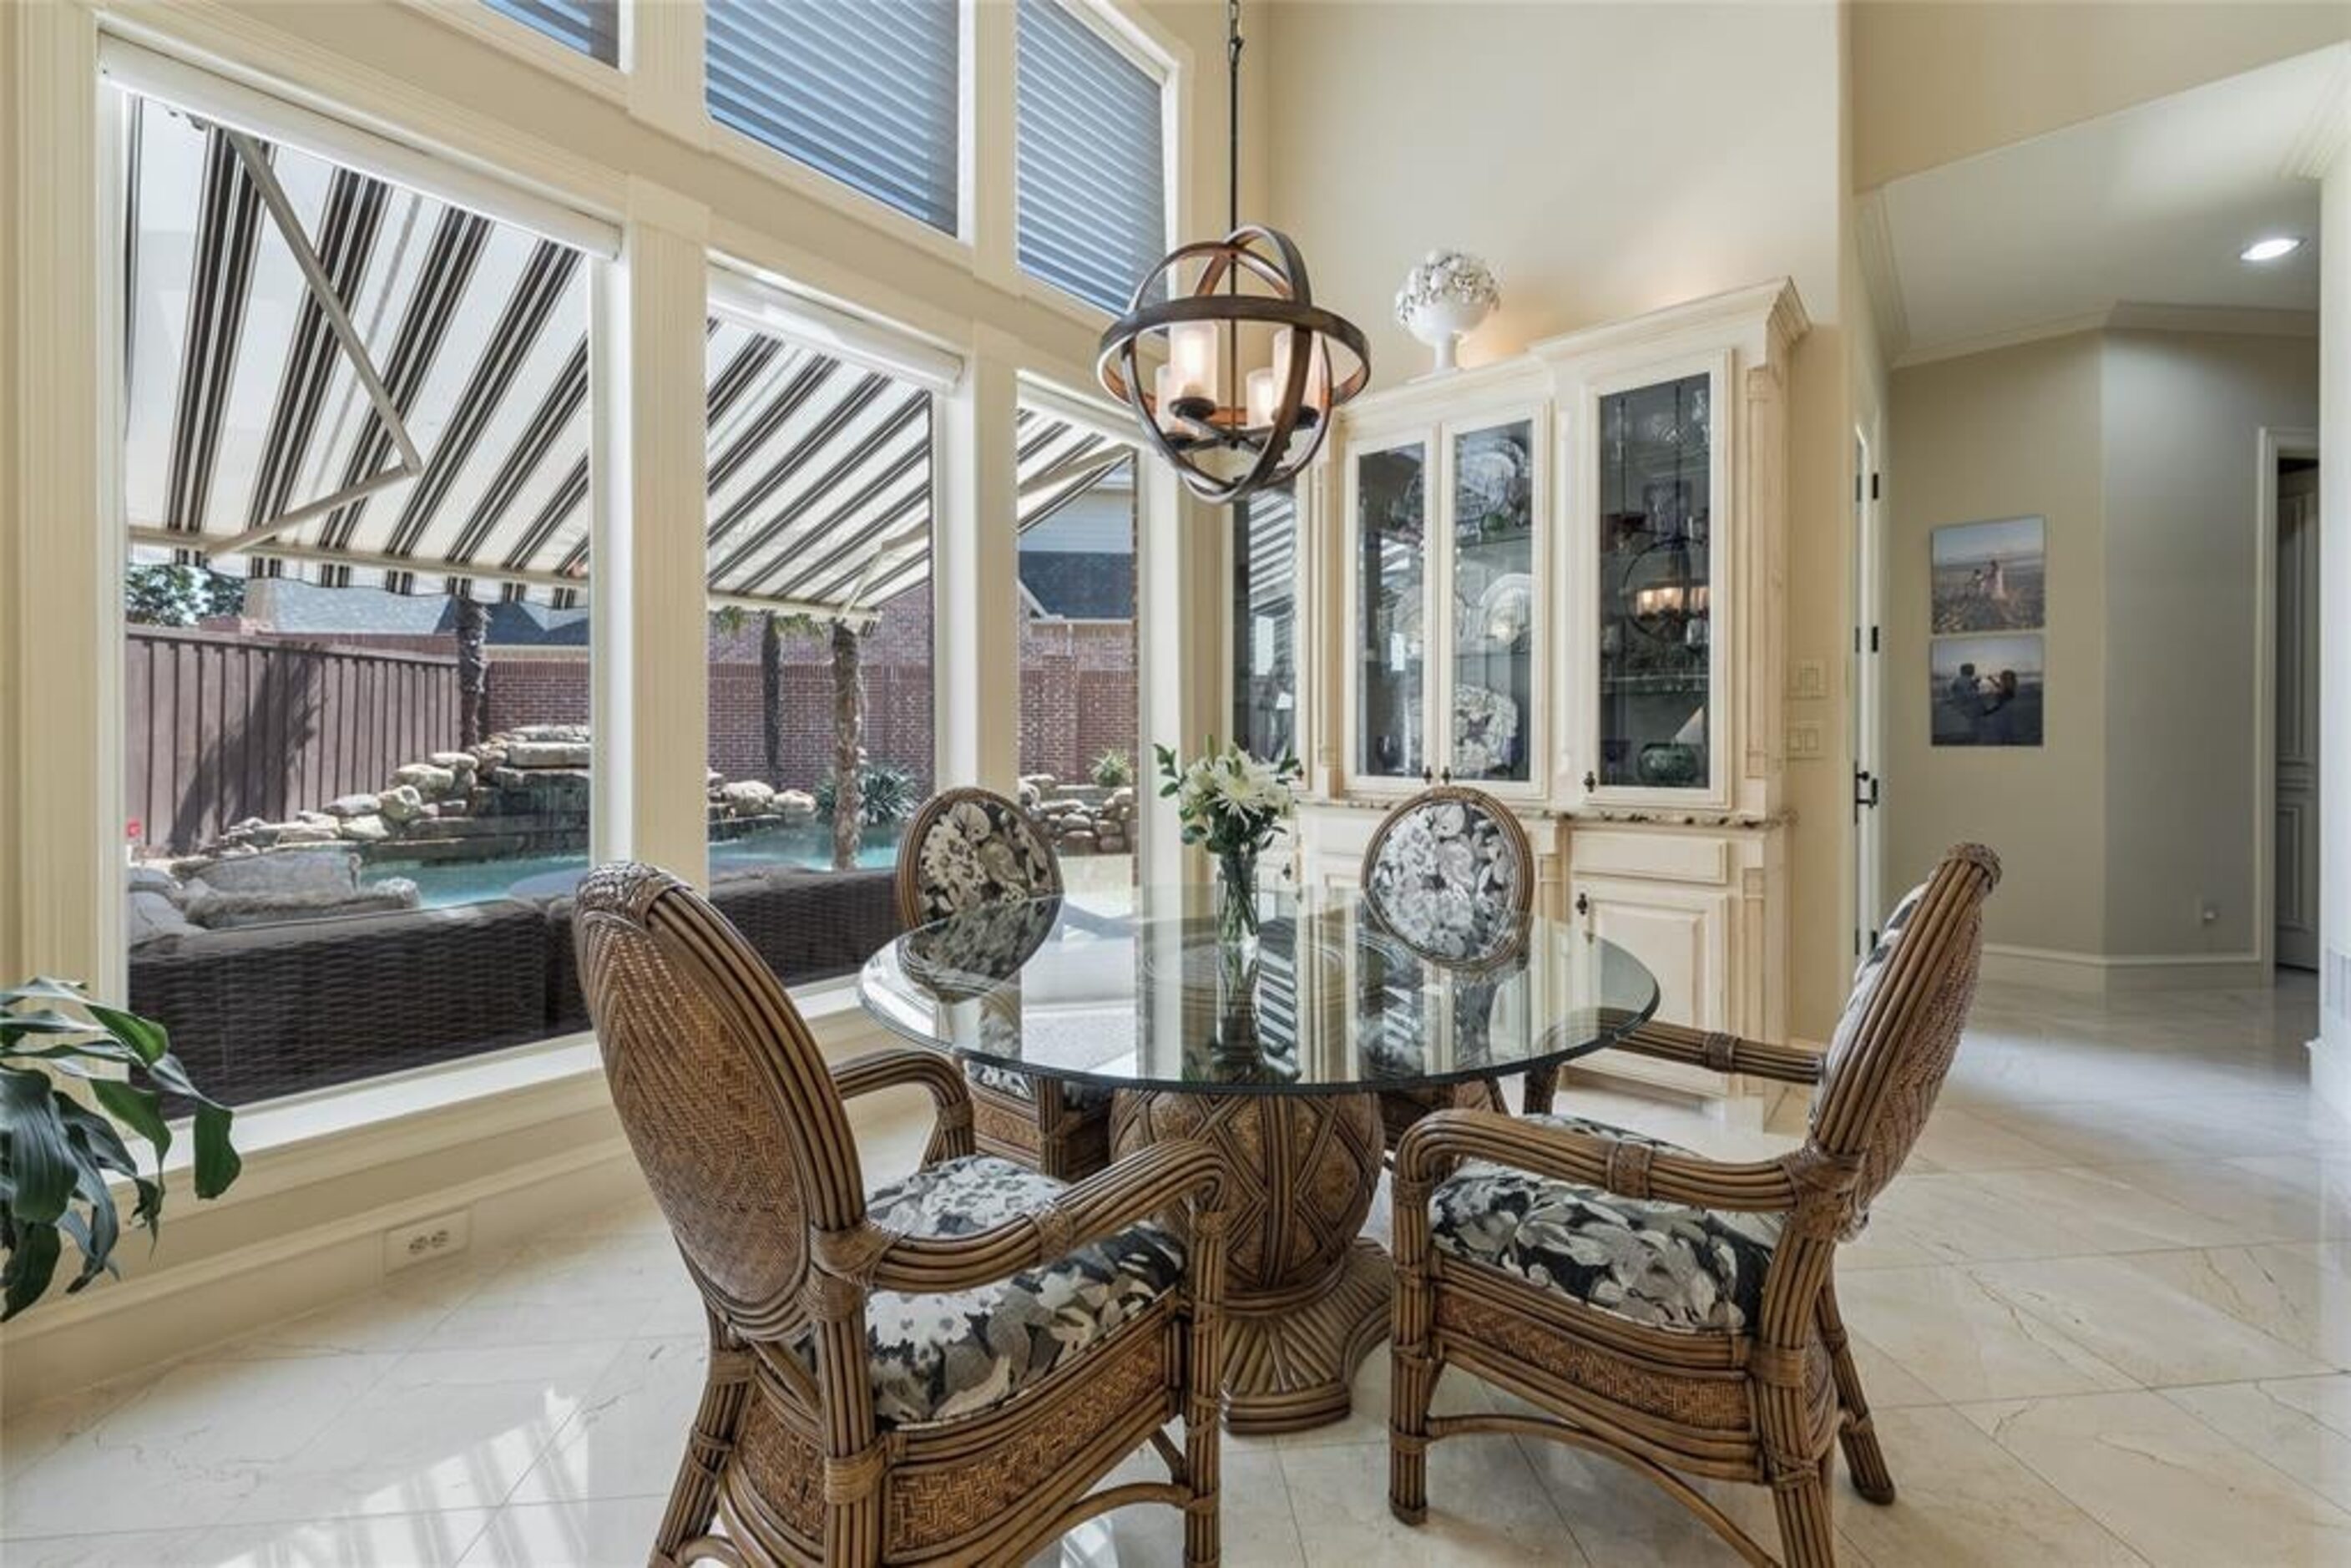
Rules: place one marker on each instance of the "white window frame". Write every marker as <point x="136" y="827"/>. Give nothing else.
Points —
<point x="775" y="164"/>
<point x="67" y="910"/>
<point x="475" y="19"/>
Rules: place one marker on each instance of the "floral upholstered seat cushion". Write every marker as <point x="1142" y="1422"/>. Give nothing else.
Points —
<point x="1447" y="879"/>
<point x="1690" y="1270"/>
<point x="1020" y="1086"/>
<point x="934" y="1356"/>
<point x="980" y="850"/>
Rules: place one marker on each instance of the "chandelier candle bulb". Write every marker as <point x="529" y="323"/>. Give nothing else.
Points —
<point x="1264" y="397"/>
<point x="1191" y="362"/>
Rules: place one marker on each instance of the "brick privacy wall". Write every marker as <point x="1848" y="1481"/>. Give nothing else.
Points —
<point x="1077" y="693"/>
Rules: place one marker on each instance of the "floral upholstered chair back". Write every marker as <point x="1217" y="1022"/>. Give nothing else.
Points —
<point x="723" y="1095"/>
<point x="1450" y="875"/>
<point x="967" y="848"/>
<point x="1899" y="1034"/>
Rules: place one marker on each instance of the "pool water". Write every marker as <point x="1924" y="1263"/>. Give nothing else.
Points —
<point x="438" y="886"/>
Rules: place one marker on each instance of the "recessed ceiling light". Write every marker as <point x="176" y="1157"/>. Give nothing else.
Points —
<point x="2269" y="249"/>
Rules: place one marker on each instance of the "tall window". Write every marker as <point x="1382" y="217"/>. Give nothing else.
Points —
<point x="1093" y="185"/>
<point x="820" y="559"/>
<point x="356" y="681"/>
<point x="868" y="92"/>
<point x="1081" y="753"/>
<point x="590" y="26"/>
<point x="1265" y="622"/>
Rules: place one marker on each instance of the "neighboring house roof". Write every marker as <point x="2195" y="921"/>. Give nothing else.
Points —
<point x="296" y="608"/>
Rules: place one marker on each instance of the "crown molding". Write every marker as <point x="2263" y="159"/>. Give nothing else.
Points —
<point x="1874" y="240"/>
<point x="2130" y="316"/>
<point x="2324" y="132"/>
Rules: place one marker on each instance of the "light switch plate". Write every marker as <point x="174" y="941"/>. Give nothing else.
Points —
<point x="1804" y="741"/>
<point x="1808" y="680"/>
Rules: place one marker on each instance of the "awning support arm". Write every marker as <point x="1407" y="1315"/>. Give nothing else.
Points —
<point x="330" y="304"/>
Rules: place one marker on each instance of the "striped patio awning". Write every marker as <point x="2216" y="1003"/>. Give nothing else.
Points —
<point x="245" y="407"/>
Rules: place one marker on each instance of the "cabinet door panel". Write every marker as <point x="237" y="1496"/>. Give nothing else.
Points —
<point x="1494" y="602"/>
<point x="1391" y="612"/>
<point x="1655" y="481"/>
<point x="1678" y="933"/>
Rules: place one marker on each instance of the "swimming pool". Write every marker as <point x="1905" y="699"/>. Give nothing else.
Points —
<point x="440" y="886"/>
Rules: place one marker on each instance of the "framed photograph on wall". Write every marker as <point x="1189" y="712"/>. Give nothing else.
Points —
<point x="1986" y="691"/>
<point x="1991" y="577"/>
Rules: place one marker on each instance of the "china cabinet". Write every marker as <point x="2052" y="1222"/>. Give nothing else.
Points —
<point x="1561" y="578"/>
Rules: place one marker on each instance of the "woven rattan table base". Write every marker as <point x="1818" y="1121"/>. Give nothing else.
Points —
<point x="1306" y="1297"/>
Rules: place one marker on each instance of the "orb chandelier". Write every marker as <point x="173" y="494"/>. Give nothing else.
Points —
<point x="1227" y="432"/>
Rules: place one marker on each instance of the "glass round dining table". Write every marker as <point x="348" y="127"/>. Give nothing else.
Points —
<point x="1273" y="1048"/>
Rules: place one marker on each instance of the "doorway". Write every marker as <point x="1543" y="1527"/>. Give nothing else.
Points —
<point x="1868" y="700"/>
<point x="2291" y="521"/>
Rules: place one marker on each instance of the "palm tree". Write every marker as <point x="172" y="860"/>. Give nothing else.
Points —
<point x="848" y="745"/>
<point x="771" y="694"/>
<point x="472" y="631"/>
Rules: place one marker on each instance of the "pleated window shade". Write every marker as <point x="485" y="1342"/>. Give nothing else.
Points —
<point x="867" y="92"/>
<point x="1092" y="179"/>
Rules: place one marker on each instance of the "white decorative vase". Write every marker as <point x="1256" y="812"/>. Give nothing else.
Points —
<point x="1443" y="299"/>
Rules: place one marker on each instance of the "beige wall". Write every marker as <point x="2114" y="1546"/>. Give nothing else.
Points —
<point x="1942" y="81"/>
<point x="1537" y="137"/>
<point x="2140" y="449"/>
<point x="2003" y="434"/>
<point x="2183" y="413"/>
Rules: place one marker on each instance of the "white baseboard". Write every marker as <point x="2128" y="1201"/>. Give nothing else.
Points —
<point x="2330" y="1069"/>
<point x="304" y="1226"/>
<point x="2098" y="973"/>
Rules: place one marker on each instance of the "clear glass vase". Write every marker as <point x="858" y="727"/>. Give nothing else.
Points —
<point x="1236" y="898"/>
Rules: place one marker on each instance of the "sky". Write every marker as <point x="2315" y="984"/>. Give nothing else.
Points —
<point x="1981" y="541"/>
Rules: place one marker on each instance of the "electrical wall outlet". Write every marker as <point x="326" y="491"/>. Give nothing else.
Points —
<point x="443" y="1236"/>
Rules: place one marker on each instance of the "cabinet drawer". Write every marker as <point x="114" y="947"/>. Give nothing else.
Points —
<point x="1650" y="857"/>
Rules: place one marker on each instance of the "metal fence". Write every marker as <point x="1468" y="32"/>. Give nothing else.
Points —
<point x="222" y="728"/>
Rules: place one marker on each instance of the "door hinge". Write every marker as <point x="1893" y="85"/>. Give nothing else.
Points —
<point x="1873" y="487"/>
<point x="1873" y="638"/>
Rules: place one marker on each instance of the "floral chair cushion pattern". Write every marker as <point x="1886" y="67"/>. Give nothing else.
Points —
<point x="1448" y="880"/>
<point x="981" y="851"/>
<point x="1690" y="1270"/>
<point x="937" y="1356"/>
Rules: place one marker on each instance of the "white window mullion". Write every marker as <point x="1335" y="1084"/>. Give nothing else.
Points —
<point x="60" y="836"/>
<point x="650" y="662"/>
<point x="663" y="45"/>
<point x="989" y="175"/>
<point x="975" y="649"/>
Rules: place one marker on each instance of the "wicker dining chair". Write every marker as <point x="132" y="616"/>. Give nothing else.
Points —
<point x="1675" y="1312"/>
<point x="940" y="1372"/>
<point x="1449" y="874"/>
<point x="970" y="847"/>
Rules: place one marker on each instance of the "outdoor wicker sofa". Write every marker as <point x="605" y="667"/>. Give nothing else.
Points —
<point x="263" y="1011"/>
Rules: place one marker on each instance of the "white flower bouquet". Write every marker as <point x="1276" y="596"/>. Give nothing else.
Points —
<point x="1233" y="805"/>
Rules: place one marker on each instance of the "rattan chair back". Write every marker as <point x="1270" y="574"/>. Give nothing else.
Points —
<point x="1900" y="1031"/>
<point x="922" y="898"/>
<point x="724" y="1097"/>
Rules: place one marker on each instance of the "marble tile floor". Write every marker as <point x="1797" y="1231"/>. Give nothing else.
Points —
<point x="2105" y="1317"/>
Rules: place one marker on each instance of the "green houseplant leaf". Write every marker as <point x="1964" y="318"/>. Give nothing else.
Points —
<point x="61" y="1159"/>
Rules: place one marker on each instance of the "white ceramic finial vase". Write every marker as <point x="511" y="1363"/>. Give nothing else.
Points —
<point x="1443" y="299"/>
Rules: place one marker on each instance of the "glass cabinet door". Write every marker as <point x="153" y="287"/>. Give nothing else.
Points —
<point x="1655" y="468"/>
<point x="1391" y="609"/>
<point x="1494" y="601"/>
